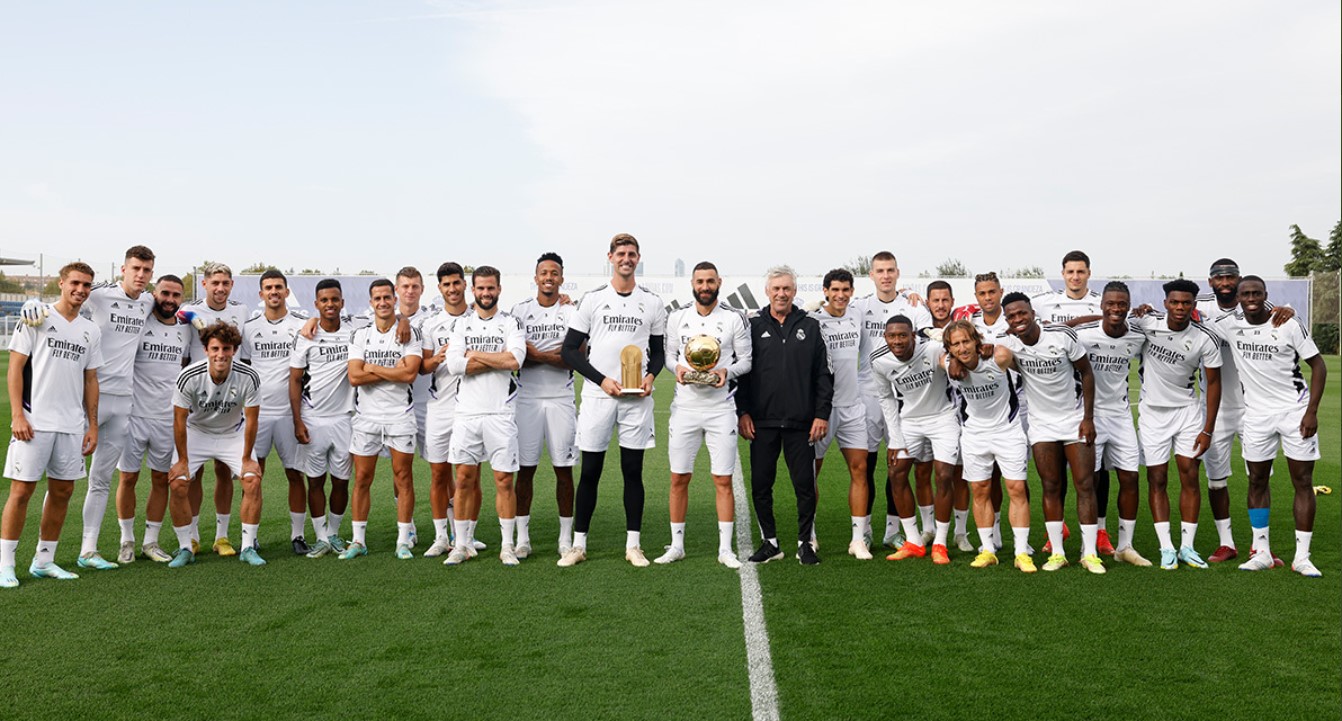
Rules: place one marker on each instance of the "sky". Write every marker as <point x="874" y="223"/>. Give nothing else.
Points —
<point x="369" y="135"/>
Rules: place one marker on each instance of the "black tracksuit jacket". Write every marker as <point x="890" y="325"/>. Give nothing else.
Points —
<point x="790" y="383"/>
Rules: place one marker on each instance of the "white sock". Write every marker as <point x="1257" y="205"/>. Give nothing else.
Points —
<point x="997" y="529"/>
<point x="89" y="541"/>
<point x="509" y="527"/>
<point x="943" y="529"/>
<point x="986" y="542"/>
<point x="1054" y="529"/>
<point x="470" y="531"/>
<point x="1089" y="533"/>
<point x="891" y="525"/>
<point x="360" y="533"/>
<point x="46" y="552"/>
<point x="127" y="529"/>
<point x="866" y="526"/>
<point x="319" y="528"/>
<point x="221" y="525"/>
<point x="463" y="530"/>
<point x="1302" y="539"/>
<point x="413" y="530"/>
<point x="1102" y="524"/>
<point x="725" y="531"/>
<point x="631" y="539"/>
<point x="440" y="529"/>
<point x="296" y="523"/>
<point x="151" y="530"/>
<point x="566" y="531"/>
<point x="774" y="541"/>
<point x="524" y="530"/>
<point x="1021" y="539"/>
<point x="1261" y="540"/>
<point x="1125" y="529"/>
<point x="857" y="529"/>
<point x="8" y="549"/>
<point x="910" y="526"/>
<point x="926" y="516"/>
<point x="580" y="540"/>
<point x="1223" y="532"/>
<point x="1163" y="533"/>
<point x="195" y="528"/>
<point x="402" y="534"/>
<point x="183" y="536"/>
<point x="333" y="521"/>
<point x="678" y="536"/>
<point x="961" y="522"/>
<point x="249" y="533"/>
<point x="1186" y="533"/>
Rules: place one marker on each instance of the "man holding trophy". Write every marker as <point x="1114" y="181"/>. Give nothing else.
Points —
<point x="708" y="348"/>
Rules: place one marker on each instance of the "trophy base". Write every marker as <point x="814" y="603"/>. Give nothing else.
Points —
<point x="631" y="391"/>
<point x="700" y="378"/>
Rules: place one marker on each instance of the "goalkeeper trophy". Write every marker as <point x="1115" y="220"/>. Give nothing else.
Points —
<point x="702" y="353"/>
<point x="631" y="371"/>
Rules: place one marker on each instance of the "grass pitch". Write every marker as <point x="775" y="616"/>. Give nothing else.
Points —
<point x="376" y="637"/>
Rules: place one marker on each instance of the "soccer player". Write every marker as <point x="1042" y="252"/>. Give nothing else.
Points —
<point x="991" y="436"/>
<point x="941" y="306"/>
<point x="158" y="361"/>
<point x="546" y="412"/>
<point x="1061" y="390"/>
<point x="874" y="310"/>
<point x="702" y="414"/>
<point x="910" y="379"/>
<point x="267" y="345"/>
<point x="53" y="400"/>
<point x="485" y="350"/>
<point x="609" y="319"/>
<point x="1172" y="415"/>
<point x="1280" y="412"/>
<point x="987" y="316"/>
<point x="321" y="401"/>
<point x="440" y="411"/>
<point x="842" y="332"/>
<point x="1111" y="344"/>
<point x="215" y="409"/>
<point x="381" y="369"/>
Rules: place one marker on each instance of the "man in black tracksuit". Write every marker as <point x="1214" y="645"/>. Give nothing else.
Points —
<point x="784" y="404"/>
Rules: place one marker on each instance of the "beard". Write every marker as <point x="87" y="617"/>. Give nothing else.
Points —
<point x="483" y="305"/>
<point x="165" y="310"/>
<point x="1225" y="297"/>
<point x="706" y="297"/>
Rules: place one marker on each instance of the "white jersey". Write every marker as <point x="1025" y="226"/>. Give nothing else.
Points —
<point x="1052" y="384"/>
<point x="988" y="402"/>
<point x="158" y="362"/>
<point x="1055" y="306"/>
<point x="1269" y="363"/>
<point x="545" y="329"/>
<point x="1232" y="391"/>
<point x="1111" y="361"/>
<point x="268" y="345"/>
<point x="729" y="326"/>
<point x="843" y="337"/>
<point x="325" y="360"/>
<point x="59" y="351"/>
<point x="919" y="385"/>
<point x="990" y="331"/>
<point x="216" y="409"/>
<point x="386" y="401"/>
<point x="233" y="313"/>
<point x="442" y="393"/>
<point x="1171" y="359"/>
<point x="488" y="392"/>
<point x="612" y="321"/>
<point x="873" y="313"/>
<point x="120" y="318"/>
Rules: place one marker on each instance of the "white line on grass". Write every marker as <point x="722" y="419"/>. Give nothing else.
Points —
<point x="759" y="662"/>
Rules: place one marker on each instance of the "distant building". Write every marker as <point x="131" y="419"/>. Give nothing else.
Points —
<point x="680" y="268"/>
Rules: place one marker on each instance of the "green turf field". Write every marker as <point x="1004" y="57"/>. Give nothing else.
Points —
<point x="381" y="638"/>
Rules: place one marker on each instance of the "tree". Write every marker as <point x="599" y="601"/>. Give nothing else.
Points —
<point x="367" y="272"/>
<point x="9" y="286"/>
<point x="53" y="287"/>
<point x="859" y="266"/>
<point x="1332" y="255"/>
<point x="1306" y="254"/>
<point x="311" y="271"/>
<point x="951" y="268"/>
<point x="1032" y="271"/>
<point x="257" y="269"/>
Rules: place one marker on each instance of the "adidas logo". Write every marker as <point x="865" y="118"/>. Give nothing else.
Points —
<point x="115" y="304"/>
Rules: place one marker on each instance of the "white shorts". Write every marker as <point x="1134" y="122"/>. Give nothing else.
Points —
<point x="688" y="429"/>
<point x="150" y="440"/>
<point x="1006" y="446"/>
<point x="277" y="432"/>
<point x="56" y="454"/>
<point x="1161" y="429"/>
<point x="1066" y="429"/>
<point x="1259" y="439"/>
<point x="371" y="438"/>
<point x="935" y="438"/>
<point x="552" y="422"/>
<point x="600" y="416"/>
<point x="328" y="447"/>
<point x="438" y="436"/>
<point x="1116" y="446"/>
<point x="421" y="427"/>
<point x="492" y="438"/>
<point x="202" y="447"/>
<point x="848" y="426"/>
<point x="875" y="420"/>
<point x="1217" y="457"/>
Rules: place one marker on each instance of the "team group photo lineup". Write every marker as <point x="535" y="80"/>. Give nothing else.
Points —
<point x="937" y="405"/>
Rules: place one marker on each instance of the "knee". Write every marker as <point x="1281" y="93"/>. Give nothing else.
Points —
<point x="59" y="491"/>
<point x="251" y="485"/>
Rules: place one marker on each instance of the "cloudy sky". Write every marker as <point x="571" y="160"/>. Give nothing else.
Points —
<point x="1156" y="136"/>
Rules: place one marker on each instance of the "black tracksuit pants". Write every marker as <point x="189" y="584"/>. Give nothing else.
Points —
<point x="799" y="455"/>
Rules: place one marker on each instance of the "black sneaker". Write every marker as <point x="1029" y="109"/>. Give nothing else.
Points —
<point x="767" y="552"/>
<point x="301" y="547"/>
<point x="806" y="555"/>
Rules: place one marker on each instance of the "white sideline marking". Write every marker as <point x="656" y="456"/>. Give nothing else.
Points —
<point x="759" y="662"/>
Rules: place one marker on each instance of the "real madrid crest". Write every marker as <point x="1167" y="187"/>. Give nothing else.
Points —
<point x="801" y="334"/>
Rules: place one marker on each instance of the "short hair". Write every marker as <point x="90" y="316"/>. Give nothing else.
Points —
<point x="140" y="252"/>
<point x="965" y="325"/>
<point x="778" y="271"/>
<point x="1254" y="278"/>
<point x="940" y="285"/>
<point x="213" y="268"/>
<point x="328" y="283"/>
<point x="1015" y="297"/>
<point x="1181" y="285"/>
<point x="381" y="283"/>
<point x="170" y="278"/>
<point x="552" y="257"/>
<point x="884" y="255"/>
<point x="410" y="271"/>
<point x="76" y="267"/>
<point x="899" y="318"/>
<point x="989" y="277"/>
<point x="838" y="274"/>
<point x="1117" y="286"/>
<point x="223" y="331"/>
<point x="271" y="275"/>
<point x="1223" y="261"/>
<point x="485" y="271"/>
<point x="624" y="239"/>
<point x="704" y="265"/>
<point x="448" y="269"/>
<point x="1076" y="256"/>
